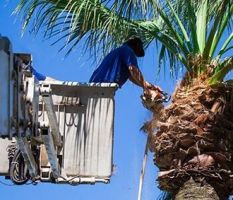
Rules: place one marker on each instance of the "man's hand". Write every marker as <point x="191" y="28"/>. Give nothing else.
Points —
<point x="152" y="93"/>
<point x="137" y="78"/>
<point x="149" y="86"/>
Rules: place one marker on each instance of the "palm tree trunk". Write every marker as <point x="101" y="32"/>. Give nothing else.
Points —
<point x="192" y="137"/>
<point x="192" y="190"/>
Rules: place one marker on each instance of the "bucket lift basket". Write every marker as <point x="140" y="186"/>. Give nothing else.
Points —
<point x="63" y="130"/>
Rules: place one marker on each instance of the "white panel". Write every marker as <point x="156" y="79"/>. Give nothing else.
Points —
<point x="4" y="162"/>
<point x="6" y="86"/>
<point x="88" y="145"/>
<point x="85" y="114"/>
<point x="4" y="93"/>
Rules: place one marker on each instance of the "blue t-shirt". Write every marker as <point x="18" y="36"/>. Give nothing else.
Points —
<point x="115" y="66"/>
<point x="39" y="76"/>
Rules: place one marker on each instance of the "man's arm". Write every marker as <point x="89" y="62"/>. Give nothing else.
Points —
<point x="137" y="78"/>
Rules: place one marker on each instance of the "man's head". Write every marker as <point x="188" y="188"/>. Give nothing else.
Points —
<point x="137" y="46"/>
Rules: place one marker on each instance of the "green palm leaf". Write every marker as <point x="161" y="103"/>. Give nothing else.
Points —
<point x="184" y="29"/>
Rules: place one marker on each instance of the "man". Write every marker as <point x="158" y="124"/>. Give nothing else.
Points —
<point x="39" y="76"/>
<point x="121" y="64"/>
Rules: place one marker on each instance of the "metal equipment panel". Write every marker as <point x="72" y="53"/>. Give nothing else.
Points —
<point x="6" y="87"/>
<point x="85" y="114"/>
<point x="88" y="139"/>
<point x="4" y="161"/>
<point x="52" y="130"/>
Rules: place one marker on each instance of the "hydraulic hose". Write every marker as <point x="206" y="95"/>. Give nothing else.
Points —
<point x="18" y="169"/>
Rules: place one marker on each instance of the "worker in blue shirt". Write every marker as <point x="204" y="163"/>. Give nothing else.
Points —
<point x="121" y="64"/>
<point x="39" y="76"/>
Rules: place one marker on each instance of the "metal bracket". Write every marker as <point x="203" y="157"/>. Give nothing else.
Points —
<point x="27" y="155"/>
<point x="51" y="152"/>
<point x="46" y="95"/>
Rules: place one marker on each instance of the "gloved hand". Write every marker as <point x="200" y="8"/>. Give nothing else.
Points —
<point x="153" y="93"/>
<point x="150" y="86"/>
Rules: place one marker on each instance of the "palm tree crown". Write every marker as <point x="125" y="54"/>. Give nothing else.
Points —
<point x="189" y="32"/>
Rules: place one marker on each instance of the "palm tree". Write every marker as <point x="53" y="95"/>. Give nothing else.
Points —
<point x="193" y="136"/>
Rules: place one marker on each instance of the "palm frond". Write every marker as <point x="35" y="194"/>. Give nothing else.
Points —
<point x="183" y="29"/>
<point x="225" y="47"/>
<point x="201" y="24"/>
<point x="221" y="71"/>
<point x="76" y="18"/>
<point x="223" y="15"/>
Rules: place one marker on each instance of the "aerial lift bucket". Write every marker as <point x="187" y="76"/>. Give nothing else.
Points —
<point x="55" y="131"/>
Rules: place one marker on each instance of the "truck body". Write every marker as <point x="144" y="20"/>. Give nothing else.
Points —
<point x="53" y="131"/>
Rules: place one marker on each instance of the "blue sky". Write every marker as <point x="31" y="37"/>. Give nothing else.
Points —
<point x="129" y="142"/>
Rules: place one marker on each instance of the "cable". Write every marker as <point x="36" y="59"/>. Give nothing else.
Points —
<point x="143" y="171"/>
<point x="18" y="169"/>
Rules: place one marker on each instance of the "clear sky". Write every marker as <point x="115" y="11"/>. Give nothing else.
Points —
<point x="129" y="142"/>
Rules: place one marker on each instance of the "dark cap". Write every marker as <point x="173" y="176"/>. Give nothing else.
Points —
<point x="137" y="45"/>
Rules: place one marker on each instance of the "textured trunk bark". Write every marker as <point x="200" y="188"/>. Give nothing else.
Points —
<point x="192" y="190"/>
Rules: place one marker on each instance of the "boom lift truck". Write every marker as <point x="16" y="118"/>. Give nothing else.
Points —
<point x="53" y="131"/>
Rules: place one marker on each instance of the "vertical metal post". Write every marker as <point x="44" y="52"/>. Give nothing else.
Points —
<point x="51" y="152"/>
<point x="143" y="171"/>
<point x="45" y="92"/>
